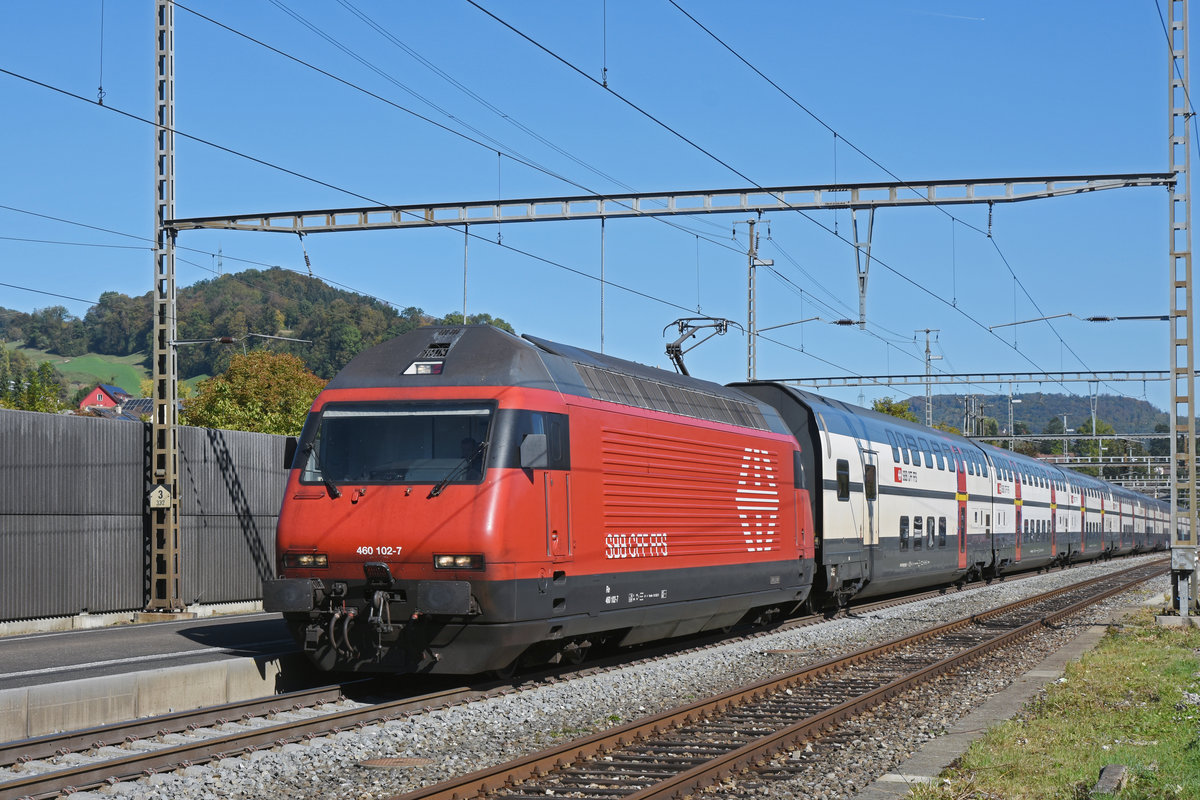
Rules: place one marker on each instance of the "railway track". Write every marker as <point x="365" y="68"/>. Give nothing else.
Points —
<point x="186" y="738"/>
<point x="676" y="754"/>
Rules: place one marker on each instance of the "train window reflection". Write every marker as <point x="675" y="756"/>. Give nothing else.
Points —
<point x="397" y="443"/>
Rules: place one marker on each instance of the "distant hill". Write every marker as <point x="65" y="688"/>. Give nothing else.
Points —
<point x="1037" y="409"/>
<point x="272" y="302"/>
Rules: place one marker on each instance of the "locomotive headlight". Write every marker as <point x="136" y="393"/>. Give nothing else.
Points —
<point x="306" y="560"/>
<point x="471" y="561"/>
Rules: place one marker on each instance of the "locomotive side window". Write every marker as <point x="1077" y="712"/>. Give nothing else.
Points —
<point x="904" y="533"/>
<point x="799" y="475"/>
<point x="843" y="479"/>
<point x="513" y="425"/>
<point x="870" y="483"/>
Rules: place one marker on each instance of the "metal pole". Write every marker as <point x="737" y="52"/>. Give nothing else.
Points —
<point x="162" y="495"/>
<point x="751" y="308"/>
<point x="466" y="242"/>
<point x="1183" y="382"/>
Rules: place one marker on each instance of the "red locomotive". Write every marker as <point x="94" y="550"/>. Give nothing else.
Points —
<point x="462" y="498"/>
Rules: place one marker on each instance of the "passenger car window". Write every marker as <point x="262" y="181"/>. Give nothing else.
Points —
<point x="843" y="479"/>
<point x="870" y="483"/>
<point x="904" y="533"/>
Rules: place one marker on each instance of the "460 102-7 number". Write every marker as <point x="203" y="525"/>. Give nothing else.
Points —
<point x="382" y="550"/>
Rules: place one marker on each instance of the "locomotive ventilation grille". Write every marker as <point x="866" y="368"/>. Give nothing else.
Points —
<point x="630" y="390"/>
<point x="444" y="339"/>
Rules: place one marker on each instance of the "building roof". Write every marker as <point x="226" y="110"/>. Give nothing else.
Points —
<point x="114" y="392"/>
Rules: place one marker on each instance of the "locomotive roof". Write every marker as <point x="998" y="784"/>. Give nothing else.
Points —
<point x="482" y="355"/>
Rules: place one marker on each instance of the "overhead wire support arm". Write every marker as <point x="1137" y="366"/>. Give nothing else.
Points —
<point x="756" y="200"/>
<point x="976" y="378"/>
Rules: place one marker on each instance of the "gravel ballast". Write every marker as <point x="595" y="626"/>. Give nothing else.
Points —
<point x="449" y="742"/>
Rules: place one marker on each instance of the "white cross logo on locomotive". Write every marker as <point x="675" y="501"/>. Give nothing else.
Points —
<point x="758" y="501"/>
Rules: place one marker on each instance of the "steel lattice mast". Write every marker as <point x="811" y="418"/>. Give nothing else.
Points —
<point x="1183" y="381"/>
<point x="162" y="498"/>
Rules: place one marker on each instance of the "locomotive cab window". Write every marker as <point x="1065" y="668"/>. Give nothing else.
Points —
<point x="396" y="442"/>
<point x="843" y="479"/>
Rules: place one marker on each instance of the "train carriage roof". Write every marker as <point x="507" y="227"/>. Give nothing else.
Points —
<point x="482" y="355"/>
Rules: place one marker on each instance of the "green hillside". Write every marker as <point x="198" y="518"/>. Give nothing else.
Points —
<point x="1037" y="409"/>
<point x="85" y="371"/>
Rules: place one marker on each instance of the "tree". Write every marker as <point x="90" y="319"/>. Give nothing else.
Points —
<point x="895" y="408"/>
<point x="261" y="391"/>
<point x="29" y="388"/>
<point x="1090" y="448"/>
<point x="1054" y="427"/>
<point x="456" y="318"/>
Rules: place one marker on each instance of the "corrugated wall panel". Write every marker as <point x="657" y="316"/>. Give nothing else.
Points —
<point x="230" y="472"/>
<point x="226" y="558"/>
<point x="54" y="565"/>
<point x="72" y="530"/>
<point x="53" y="464"/>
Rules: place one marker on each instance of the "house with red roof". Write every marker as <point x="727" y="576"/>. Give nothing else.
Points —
<point x="104" y="396"/>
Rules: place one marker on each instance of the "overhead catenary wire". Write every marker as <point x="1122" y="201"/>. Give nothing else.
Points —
<point x="739" y="173"/>
<point x="517" y="158"/>
<point x="837" y="135"/>
<point x="364" y="293"/>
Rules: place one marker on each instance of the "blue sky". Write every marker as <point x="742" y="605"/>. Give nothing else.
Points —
<point x="929" y="90"/>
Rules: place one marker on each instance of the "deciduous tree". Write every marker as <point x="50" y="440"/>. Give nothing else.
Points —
<point x="895" y="408"/>
<point x="261" y="391"/>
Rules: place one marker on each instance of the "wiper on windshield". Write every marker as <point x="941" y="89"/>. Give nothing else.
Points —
<point x="310" y="449"/>
<point x="466" y="462"/>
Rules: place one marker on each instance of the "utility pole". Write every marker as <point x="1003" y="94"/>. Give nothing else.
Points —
<point x="752" y="303"/>
<point x="929" y="359"/>
<point x="162" y="494"/>
<point x="862" y="261"/>
<point x="1183" y="382"/>
<point x="1012" y="441"/>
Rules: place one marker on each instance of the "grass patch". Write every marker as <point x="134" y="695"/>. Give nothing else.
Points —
<point x="1133" y="700"/>
<point x="91" y="368"/>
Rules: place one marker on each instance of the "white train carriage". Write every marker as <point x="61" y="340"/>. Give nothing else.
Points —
<point x="898" y="505"/>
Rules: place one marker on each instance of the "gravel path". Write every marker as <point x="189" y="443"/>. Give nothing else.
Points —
<point x="453" y="741"/>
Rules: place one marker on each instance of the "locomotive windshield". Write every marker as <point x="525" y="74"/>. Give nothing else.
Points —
<point x="395" y="443"/>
